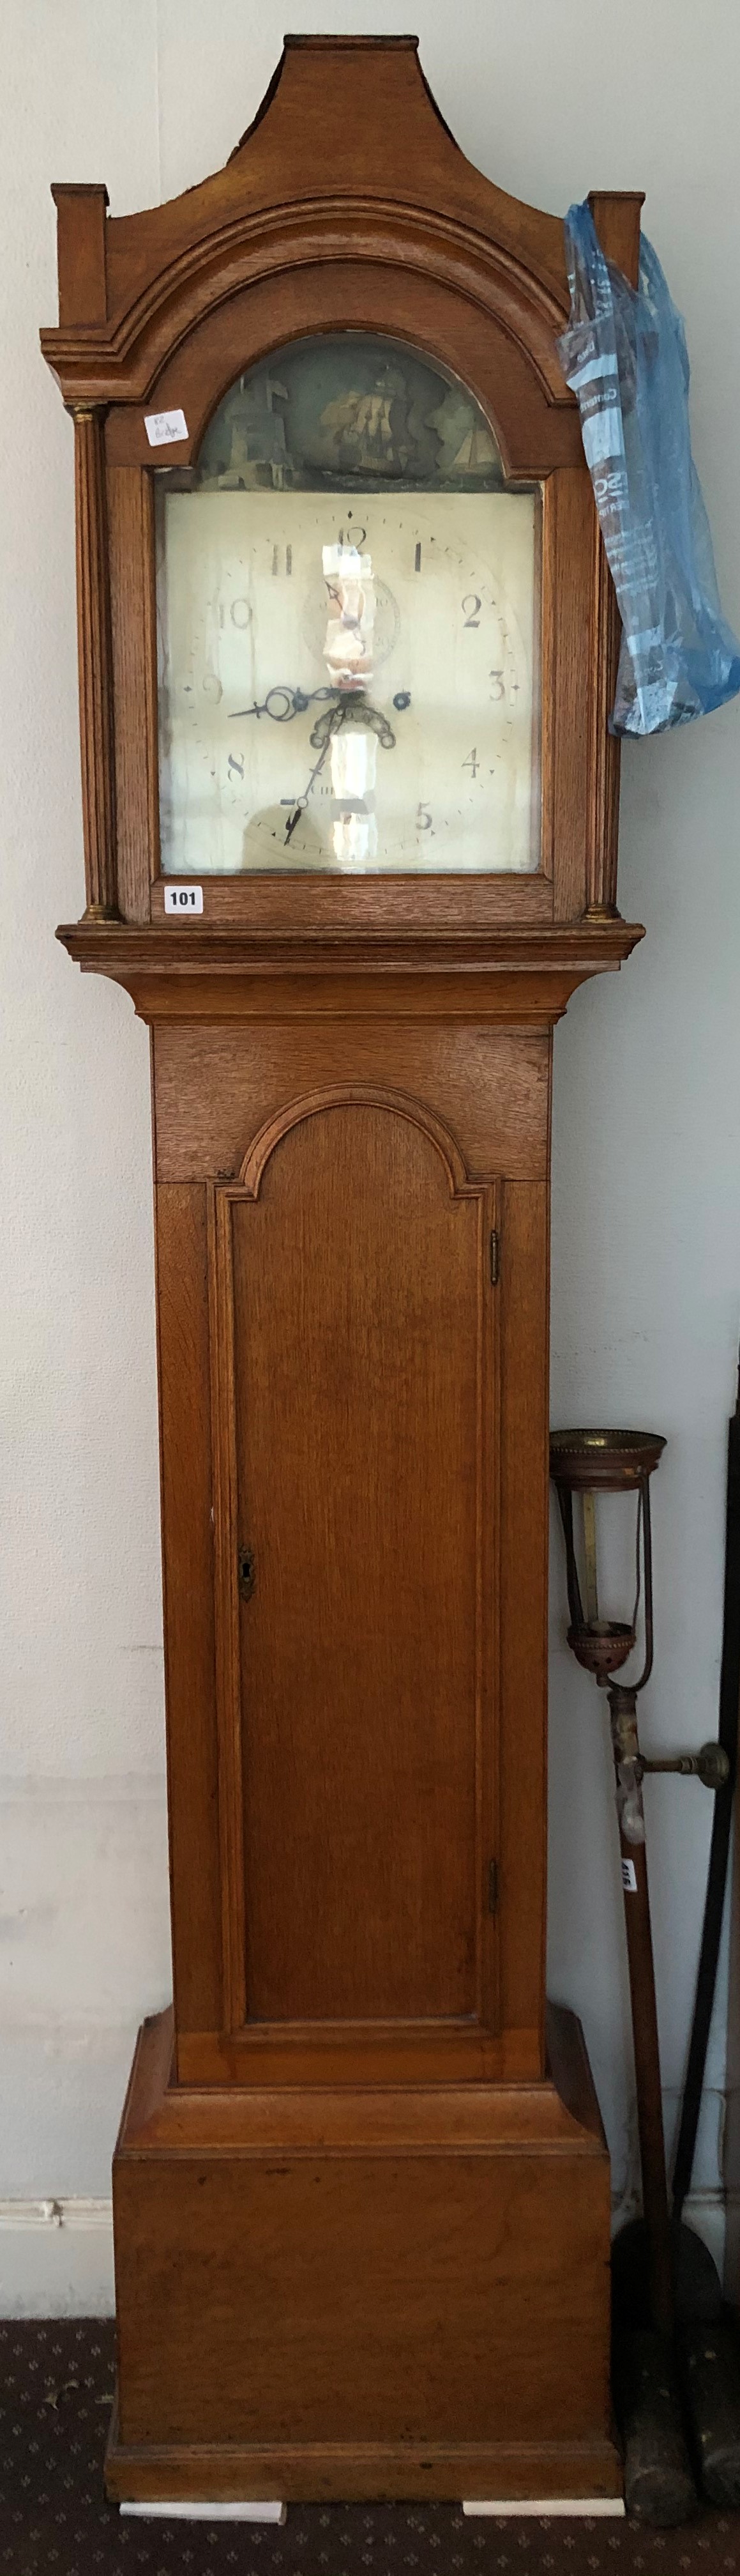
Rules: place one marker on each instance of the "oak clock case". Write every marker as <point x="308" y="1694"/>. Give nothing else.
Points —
<point x="346" y="654"/>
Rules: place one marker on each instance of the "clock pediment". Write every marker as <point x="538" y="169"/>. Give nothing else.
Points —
<point x="348" y="143"/>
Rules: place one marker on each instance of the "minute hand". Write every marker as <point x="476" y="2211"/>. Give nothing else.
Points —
<point x="332" y="727"/>
<point x="354" y="710"/>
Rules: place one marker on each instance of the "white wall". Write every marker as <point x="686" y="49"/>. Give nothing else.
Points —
<point x="646" y="1242"/>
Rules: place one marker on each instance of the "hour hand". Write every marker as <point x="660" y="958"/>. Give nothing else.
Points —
<point x="293" y="819"/>
<point x="328" y="729"/>
<point x="281" y="704"/>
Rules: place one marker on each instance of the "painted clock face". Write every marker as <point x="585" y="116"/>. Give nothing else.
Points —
<point x="348" y="673"/>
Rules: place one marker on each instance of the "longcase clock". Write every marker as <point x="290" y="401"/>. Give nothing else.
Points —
<point x="347" y="643"/>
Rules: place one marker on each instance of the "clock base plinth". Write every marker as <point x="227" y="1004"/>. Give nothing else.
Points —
<point x="362" y="2293"/>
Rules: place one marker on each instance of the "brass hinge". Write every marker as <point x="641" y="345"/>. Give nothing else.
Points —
<point x="492" y="1886"/>
<point x="494" y="1256"/>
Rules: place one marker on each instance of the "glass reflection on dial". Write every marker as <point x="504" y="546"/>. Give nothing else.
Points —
<point x="256" y="652"/>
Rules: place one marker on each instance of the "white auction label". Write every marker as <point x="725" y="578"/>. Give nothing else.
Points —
<point x="629" y="1877"/>
<point x="184" y="900"/>
<point x="164" y="428"/>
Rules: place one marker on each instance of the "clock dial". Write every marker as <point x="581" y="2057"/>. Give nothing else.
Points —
<point x="348" y="676"/>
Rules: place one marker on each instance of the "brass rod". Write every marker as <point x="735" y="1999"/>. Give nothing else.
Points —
<point x="589" y="1544"/>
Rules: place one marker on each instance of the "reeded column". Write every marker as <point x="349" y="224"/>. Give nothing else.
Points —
<point x="95" y="665"/>
<point x="604" y="750"/>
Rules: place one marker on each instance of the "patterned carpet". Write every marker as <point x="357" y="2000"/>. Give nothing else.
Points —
<point x="55" y="2393"/>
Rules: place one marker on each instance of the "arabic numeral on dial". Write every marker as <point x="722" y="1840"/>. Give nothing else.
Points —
<point x="424" y="819"/>
<point x="472" y="763"/>
<point x="351" y="536"/>
<point x="236" y="765"/>
<point x="241" y="613"/>
<point x="212" y="687"/>
<point x="498" y="689"/>
<point x="471" y="608"/>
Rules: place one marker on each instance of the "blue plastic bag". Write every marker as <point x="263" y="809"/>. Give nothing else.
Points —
<point x="624" y="356"/>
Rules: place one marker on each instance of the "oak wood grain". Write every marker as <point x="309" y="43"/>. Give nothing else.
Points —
<point x="94" y="666"/>
<point x="523" y="1630"/>
<point x="224" y="1393"/>
<point x="365" y="1663"/>
<point x="187" y="1560"/>
<point x="81" y="242"/>
<point x="306" y="2281"/>
<point x="288" y="2055"/>
<point x="560" y="2114"/>
<point x="568" y="780"/>
<point x="369" y="2471"/>
<point x="438" y="2298"/>
<point x="512" y="975"/>
<point x="134" y="677"/>
<point x="216" y="1086"/>
<point x="335" y="905"/>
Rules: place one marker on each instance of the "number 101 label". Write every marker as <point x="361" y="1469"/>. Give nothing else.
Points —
<point x="183" y="899"/>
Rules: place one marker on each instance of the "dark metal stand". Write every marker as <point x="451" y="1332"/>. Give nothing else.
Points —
<point x="657" y="2268"/>
<point x="628" y="1769"/>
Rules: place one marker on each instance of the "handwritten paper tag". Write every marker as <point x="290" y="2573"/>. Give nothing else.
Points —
<point x="163" y="428"/>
